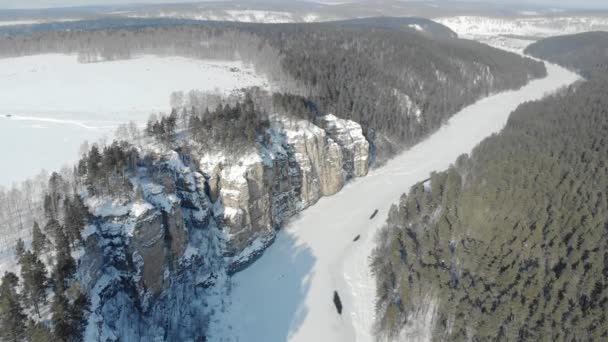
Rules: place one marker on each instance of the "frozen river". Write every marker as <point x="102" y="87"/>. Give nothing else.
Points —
<point x="286" y="295"/>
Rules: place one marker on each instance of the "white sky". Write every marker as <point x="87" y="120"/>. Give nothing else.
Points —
<point x="13" y="4"/>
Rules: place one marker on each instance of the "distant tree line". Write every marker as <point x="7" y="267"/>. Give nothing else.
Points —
<point x="584" y="53"/>
<point x="399" y="85"/>
<point x="510" y="243"/>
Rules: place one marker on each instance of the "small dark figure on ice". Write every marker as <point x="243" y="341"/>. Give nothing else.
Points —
<point x="357" y="237"/>
<point x="337" y="302"/>
<point x="374" y="214"/>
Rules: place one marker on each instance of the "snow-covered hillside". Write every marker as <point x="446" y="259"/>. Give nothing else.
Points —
<point x="287" y="293"/>
<point x="515" y="33"/>
<point x="35" y="21"/>
<point x="55" y="103"/>
<point x="246" y="16"/>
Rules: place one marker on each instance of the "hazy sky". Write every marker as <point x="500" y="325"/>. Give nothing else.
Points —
<point x="62" y="3"/>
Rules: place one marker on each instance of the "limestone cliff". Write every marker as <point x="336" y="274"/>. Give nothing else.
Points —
<point x="299" y="163"/>
<point x="195" y="217"/>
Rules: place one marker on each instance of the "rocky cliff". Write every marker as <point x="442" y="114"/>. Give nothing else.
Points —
<point x="298" y="163"/>
<point x="195" y="218"/>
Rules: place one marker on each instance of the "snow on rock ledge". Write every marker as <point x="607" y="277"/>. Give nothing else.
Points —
<point x="298" y="163"/>
<point x="349" y="136"/>
<point x="192" y="219"/>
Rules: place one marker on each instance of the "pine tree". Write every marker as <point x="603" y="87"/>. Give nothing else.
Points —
<point x="12" y="318"/>
<point x="65" y="265"/>
<point x="93" y="167"/>
<point x="33" y="273"/>
<point x="60" y="315"/>
<point x="69" y="318"/>
<point x="19" y="248"/>
<point x="77" y="315"/>
<point x="38" y="239"/>
<point x="48" y="207"/>
<point x="74" y="214"/>
<point x="51" y="228"/>
<point x="38" y="332"/>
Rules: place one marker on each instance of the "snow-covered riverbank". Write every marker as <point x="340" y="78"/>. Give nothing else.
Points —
<point x="287" y="293"/>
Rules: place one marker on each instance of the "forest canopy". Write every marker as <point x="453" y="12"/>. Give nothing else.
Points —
<point x="510" y="243"/>
<point x="400" y="85"/>
<point x="586" y="53"/>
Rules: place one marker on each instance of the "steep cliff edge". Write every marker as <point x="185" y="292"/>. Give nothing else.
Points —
<point x="194" y="218"/>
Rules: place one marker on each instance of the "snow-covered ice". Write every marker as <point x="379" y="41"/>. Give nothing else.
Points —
<point x="56" y="103"/>
<point x="286" y="295"/>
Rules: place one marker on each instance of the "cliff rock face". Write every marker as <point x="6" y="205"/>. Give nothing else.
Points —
<point x="141" y="254"/>
<point x="195" y="218"/>
<point x="298" y="164"/>
<point x="355" y="148"/>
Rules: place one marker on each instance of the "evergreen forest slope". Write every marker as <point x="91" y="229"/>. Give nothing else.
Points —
<point x="511" y="243"/>
<point x="586" y="53"/>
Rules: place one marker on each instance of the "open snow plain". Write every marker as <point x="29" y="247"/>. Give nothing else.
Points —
<point x="287" y="294"/>
<point x="516" y="33"/>
<point x="56" y="103"/>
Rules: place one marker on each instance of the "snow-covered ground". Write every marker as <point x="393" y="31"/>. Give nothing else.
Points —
<point x="32" y="22"/>
<point x="287" y="294"/>
<point x="244" y="15"/>
<point x="502" y="31"/>
<point x="56" y="103"/>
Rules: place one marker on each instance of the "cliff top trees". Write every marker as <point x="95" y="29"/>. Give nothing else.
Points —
<point x="65" y="266"/>
<point x="33" y="274"/>
<point x="106" y="173"/>
<point x="229" y="127"/>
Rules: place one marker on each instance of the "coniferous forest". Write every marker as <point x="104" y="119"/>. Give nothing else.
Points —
<point x="399" y="85"/>
<point x="583" y="52"/>
<point x="510" y="243"/>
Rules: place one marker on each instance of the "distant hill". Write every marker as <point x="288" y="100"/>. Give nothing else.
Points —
<point x="586" y="53"/>
<point x="400" y="78"/>
<point x="423" y="26"/>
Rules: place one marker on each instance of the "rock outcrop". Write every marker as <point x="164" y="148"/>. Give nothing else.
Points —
<point x="355" y="148"/>
<point x="300" y="163"/>
<point x="195" y="218"/>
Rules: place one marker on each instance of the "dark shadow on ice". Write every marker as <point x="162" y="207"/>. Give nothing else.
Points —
<point x="268" y="296"/>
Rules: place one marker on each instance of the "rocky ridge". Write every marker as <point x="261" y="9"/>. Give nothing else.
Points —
<point x="197" y="218"/>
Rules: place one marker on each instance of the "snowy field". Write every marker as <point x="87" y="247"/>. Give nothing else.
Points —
<point x="286" y="295"/>
<point x="33" y="22"/>
<point x="56" y="103"/>
<point x="246" y="16"/>
<point x="515" y="34"/>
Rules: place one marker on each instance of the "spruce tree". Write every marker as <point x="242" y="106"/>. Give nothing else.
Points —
<point x="51" y="229"/>
<point x="60" y="316"/>
<point x="69" y="318"/>
<point x="65" y="265"/>
<point x="77" y="315"/>
<point x="74" y="215"/>
<point x="93" y="168"/>
<point x="19" y="248"/>
<point x="33" y="273"/>
<point x="12" y="318"/>
<point x="38" y="239"/>
<point x="38" y="332"/>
